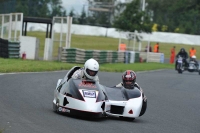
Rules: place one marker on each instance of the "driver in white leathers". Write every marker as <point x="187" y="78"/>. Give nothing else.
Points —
<point x="89" y="71"/>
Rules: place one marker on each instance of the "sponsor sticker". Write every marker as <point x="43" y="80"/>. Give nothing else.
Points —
<point x="60" y="109"/>
<point x="67" y="110"/>
<point x="90" y="94"/>
<point x="87" y="84"/>
<point x="63" y="110"/>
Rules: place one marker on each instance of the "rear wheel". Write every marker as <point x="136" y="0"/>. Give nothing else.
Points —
<point x="144" y="107"/>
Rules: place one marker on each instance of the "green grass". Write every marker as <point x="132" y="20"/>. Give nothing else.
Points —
<point x="121" y="67"/>
<point x="105" y="43"/>
<point x="18" y="65"/>
<point x="88" y="43"/>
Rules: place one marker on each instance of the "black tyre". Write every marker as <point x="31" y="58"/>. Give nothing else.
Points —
<point x="179" y="68"/>
<point x="144" y="107"/>
<point x="126" y="118"/>
<point x="180" y="71"/>
<point x="55" y="108"/>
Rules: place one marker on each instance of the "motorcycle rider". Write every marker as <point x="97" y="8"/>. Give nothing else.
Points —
<point x="129" y="81"/>
<point x="89" y="71"/>
<point x="184" y="55"/>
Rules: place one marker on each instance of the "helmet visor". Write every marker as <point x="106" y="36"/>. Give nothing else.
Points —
<point x="128" y="84"/>
<point x="91" y="73"/>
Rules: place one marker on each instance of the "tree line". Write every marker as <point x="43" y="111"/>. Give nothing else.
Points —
<point x="34" y="8"/>
<point x="179" y="16"/>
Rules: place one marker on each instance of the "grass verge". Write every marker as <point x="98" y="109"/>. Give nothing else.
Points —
<point x="18" y="65"/>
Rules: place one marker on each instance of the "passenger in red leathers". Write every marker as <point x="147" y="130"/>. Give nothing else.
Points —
<point x="129" y="81"/>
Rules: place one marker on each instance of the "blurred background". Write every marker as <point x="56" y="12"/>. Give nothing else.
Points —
<point x="102" y="24"/>
<point x="179" y="16"/>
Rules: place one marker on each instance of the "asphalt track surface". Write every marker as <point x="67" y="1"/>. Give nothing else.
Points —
<point x="173" y="105"/>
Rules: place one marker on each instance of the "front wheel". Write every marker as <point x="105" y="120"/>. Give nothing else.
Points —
<point x="180" y="71"/>
<point x="179" y="68"/>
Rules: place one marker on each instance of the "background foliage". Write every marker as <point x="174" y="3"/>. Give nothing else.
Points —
<point x="179" y="16"/>
<point x="182" y="16"/>
<point x="34" y="8"/>
<point x="132" y="19"/>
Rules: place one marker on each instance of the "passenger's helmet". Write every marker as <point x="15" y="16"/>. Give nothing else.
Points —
<point x="129" y="79"/>
<point x="91" y="68"/>
<point x="194" y="57"/>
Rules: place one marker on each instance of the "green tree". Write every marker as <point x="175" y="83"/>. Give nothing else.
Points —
<point x="40" y="8"/>
<point x="72" y="14"/>
<point x="91" y="20"/>
<point x="181" y="16"/>
<point x="131" y="19"/>
<point x="56" y="8"/>
<point x="36" y="8"/>
<point x="102" y="19"/>
<point x="7" y="6"/>
<point x="83" y="17"/>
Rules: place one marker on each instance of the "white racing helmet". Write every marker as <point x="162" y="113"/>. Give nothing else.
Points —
<point x="194" y="57"/>
<point x="91" y="68"/>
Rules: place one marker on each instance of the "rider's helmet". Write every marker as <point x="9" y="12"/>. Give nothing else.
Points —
<point x="91" y="68"/>
<point x="129" y="79"/>
<point x="182" y="50"/>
